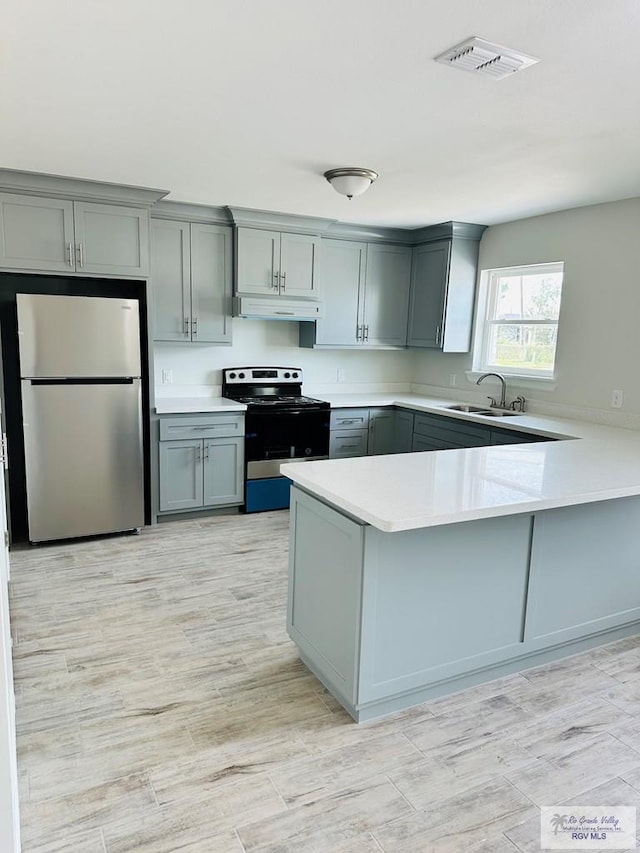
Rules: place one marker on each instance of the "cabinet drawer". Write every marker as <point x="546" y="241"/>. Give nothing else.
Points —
<point x="344" y="443"/>
<point x="350" y="418"/>
<point x="205" y="426"/>
<point x="448" y="429"/>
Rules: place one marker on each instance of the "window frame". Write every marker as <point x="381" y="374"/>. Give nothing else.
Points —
<point x="487" y="302"/>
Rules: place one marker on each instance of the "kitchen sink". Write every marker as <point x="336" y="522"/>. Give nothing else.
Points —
<point x="472" y="410"/>
<point x="480" y="410"/>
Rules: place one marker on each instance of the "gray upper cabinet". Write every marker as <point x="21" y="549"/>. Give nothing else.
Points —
<point x="428" y="289"/>
<point x="443" y="286"/>
<point x="386" y="295"/>
<point x="36" y="233"/>
<point x="211" y="283"/>
<point x="272" y="263"/>
<point x="191" y="281"/>
<point x="88" y="238"/>
<point x="171" y="280"/>
<point x="343" y="271"/>
<point x="365" y="287"/>
<point x="110" y="239"/>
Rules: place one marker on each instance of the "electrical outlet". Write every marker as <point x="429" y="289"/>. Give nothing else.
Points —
<point x="616" y="399"/>
<point x="452" y="380"/>
<point x="341" y="375"/>
<point x="167" y="377"/>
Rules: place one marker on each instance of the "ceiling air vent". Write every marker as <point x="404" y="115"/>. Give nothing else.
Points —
<point x="483" y="57"/>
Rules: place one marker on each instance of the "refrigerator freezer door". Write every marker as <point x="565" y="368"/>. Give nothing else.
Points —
<point x="78" y="336"/>
<point x="83" y="454"/>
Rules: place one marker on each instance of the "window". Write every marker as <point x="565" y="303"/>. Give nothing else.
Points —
<point x="517" y="323"/>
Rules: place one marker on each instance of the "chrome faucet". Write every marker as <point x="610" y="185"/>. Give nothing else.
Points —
<point x="502" y="404"/>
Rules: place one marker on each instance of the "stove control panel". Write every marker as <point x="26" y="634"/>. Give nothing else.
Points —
<point x="257" y="375"/>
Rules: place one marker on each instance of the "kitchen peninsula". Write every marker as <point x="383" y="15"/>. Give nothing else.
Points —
<point x="419" y="574"/>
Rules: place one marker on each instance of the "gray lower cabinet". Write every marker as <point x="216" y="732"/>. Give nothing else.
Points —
<point x="377" y="431"/>
<point x="56" y="235"/>
<point x="390" y="620"/>
<point x="345" y="443"/>
<point x="365" y="288"/>
<point x="206" y="470"/>
<point x="437" y="432"/>
<point x="181" y="484"/>
<point x="191" y="281"/>
<point x="443" y="286"/>
<point x="349" y="433"/>
<point x="382" y="431"/>
<point x="404" y="431"/>
<point x="505" y="436"/>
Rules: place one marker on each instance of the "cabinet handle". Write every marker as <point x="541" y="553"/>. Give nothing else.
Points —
<point x="438" y="331"/>
<point x="80" y="251"/>
<point x="366" y="333"/>
<point x="283" y="281"/>
<point x="186" y="326"/>
<point x="275" y="279"/>
<point x="352" y="421"/>
<point x="194" y="327"/>
<point x="286" y="313"/>
<point x="206" y="451"/>
<point x="70" y="253"/>
<point x="357" y="333"/>
<point x="198" y="453"/>
<point x="350" y="444"/>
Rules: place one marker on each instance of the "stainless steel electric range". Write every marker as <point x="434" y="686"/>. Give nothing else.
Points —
<point x="281" y="425"/>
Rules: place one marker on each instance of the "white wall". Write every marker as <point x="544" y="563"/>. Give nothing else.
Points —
<point x="197" y="368"/>
<point x="599" y="336"/>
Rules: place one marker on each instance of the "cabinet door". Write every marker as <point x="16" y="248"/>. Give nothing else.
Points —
<point x="501" y="436"/>
<point x="299" y="266"/>
<point x="36" y="233"/>
<point x="111" y="240"/>
<point x="345" y="443"/>
<point x="404" y="432"/>
<point x="381" y="431"/>
<point x="428" y="292"/>
<point x="170" y="277"/>
<point x="343" y="271"/>
<point x="258" y="261"/>
<point x="180" y="474"/>
<point x="421" y="442"/>
<point x="223" y="471"/>
<point x="211" y="283"/>
<point x="386" y="301"/>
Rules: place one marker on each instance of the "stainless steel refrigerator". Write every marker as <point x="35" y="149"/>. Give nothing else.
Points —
<point x="82" y="415"/>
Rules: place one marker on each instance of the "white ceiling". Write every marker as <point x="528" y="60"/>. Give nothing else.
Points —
<point x="248" y="102"/>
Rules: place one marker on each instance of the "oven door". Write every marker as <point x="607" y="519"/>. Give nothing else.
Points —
<point x="274" y="436"/>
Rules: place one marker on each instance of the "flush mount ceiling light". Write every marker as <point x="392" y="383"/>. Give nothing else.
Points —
<point x="350" y="181"/>
<point x="484" y="57"/>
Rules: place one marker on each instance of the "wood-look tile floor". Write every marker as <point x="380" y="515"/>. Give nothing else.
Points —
<point x="161" y="707"/>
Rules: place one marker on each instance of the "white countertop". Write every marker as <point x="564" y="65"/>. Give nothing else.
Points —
<point x="191" y="405"/>
<point x="413" y="490"/>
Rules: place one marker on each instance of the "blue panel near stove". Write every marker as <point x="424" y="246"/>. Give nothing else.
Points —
<point x="271" y="493"/>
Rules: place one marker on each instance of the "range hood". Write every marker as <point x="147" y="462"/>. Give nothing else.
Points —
<point x="270" y="308"/>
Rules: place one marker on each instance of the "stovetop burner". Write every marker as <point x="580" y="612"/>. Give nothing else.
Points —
<point x="278" y="400"/>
